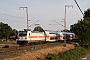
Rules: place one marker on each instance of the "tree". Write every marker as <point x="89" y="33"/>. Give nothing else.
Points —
<point x="6" y="31"/>
<point x="82" y="28"/>
<point x="14" y="32"/>
<point x="38" y="28"/>
<point x="87" y="13"/>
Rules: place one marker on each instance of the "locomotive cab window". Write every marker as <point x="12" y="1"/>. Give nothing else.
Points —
<point x="29" y="34"/>
<point x="22" y="33"/>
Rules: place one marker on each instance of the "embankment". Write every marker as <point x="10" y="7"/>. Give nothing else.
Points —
<point x="42" y="53"/>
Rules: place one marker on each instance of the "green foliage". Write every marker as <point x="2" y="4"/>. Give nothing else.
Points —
<point x="52" y="57"/>
<point x="87" y="13"/>
<point x="82" y="29"/>
<point x="74" y="54"/>
<point x="6" y="31"/>
<point x="38" y="28"/>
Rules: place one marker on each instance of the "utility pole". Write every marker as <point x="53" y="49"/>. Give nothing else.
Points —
<point x="65" y="21"/>
<point x="26" y="15"/>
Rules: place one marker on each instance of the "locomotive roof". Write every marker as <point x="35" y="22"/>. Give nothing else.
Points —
<point x="51" y="31"/>
<point x="66" y="32"/>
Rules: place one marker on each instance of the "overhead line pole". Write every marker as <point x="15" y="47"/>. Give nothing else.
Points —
<point x="65" y="15"/>
<point x="26" y="15"/>
<point x="65" y="21"/>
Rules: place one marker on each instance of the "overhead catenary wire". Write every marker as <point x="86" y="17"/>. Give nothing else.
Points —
<point x="58" y="2"/>
<point x="20" y="14"/>
<point x="33" y="23"/>
<point x="38" y="17"/>
<point x="73" y="9"/>
<point x="23" y="14"/>
<point x="54" y="3"/>
<point x="17" y="17"/>
<point x="79" y="7"/>
<point x="58" y="23"/>
<point x="12" y="16"/>
<point x="75" y="15"/>
<point x="12" y="11"/>
<point x="12" y="20"/>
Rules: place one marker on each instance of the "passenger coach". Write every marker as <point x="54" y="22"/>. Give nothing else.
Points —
<point x="28" y="37"/>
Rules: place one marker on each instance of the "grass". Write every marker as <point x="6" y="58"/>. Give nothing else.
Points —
<point x="74" y="54"/>
<point x="42" y="53"/>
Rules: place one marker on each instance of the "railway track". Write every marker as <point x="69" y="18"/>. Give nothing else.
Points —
<point x="15" y="49"/>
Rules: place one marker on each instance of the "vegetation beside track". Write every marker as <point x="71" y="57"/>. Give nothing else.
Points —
<point x="11" y="49"/>
<point x="74" y="54"/>
<point x="42" y="52"/>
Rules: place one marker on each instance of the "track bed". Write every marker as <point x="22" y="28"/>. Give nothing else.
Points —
<point x="16" y="50"/>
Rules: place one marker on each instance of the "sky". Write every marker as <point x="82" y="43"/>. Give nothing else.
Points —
<point x="49" y="14"/>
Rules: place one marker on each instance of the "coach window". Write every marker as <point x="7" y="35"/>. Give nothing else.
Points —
<point x="29" y="34"/>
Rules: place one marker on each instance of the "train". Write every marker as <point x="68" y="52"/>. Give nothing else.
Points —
<point x="29" y="37"/>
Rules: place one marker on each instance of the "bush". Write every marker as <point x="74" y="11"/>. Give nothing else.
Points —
<point x="74" y="54"/>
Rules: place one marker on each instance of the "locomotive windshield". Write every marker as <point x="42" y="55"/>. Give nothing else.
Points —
<point x="22" y="33"/>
